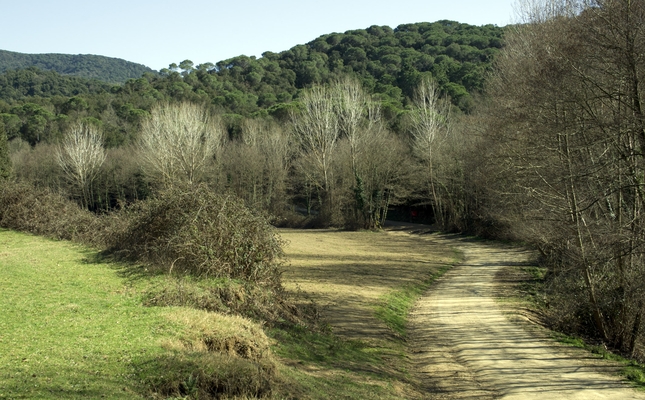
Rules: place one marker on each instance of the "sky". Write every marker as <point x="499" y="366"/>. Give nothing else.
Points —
<point x="158" y="33"/>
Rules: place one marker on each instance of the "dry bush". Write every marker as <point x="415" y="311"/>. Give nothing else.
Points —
<point x="195" y="231"/>
<point x="269" y="304"/>
<point x="43" y="212"/>
<point x="213" y="332"/>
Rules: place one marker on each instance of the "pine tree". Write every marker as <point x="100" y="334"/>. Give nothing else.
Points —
<point x="5" y="161"/>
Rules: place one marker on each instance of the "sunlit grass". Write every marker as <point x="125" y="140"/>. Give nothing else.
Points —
<point x="367" y="282"/>
<point x="395" y="306"/>
<point x="68" y="326"/>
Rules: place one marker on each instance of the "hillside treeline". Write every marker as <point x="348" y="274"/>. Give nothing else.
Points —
<point x="88" y="66"/>
<point x="389" y="63"/>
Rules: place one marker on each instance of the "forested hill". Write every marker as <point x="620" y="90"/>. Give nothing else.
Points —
<point x="106" y="69"/>
<point x="390" y="62"/>
<point x="37" y="105"/>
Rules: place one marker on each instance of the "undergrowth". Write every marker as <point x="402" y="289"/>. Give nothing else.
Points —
<point x="630" y="369"/>
<point x="532" y="292"/>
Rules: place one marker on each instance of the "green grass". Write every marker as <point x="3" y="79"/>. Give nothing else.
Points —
<point x="395" y="306"/>
<point x="68" y="327"/>
<point x="74" y="327"/>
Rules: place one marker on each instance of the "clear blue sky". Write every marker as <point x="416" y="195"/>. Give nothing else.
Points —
<point x="157" y="33"/>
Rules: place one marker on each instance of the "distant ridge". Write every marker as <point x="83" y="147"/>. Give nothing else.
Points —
<point x="106" y="69"/>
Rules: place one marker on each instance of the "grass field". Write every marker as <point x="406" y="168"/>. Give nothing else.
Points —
<point x="68" y="326"/>
<point x="365" y="283"/>
<point x="72" y="326"/>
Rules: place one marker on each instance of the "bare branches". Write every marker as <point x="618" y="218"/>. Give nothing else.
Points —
<point x="80" y="156"/>
<point x="316" y="131"/>
<point x="430" y="119"/>
<point x="178" y="141"/>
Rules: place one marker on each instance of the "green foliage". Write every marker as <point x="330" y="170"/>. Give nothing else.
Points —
<point x="388" y="62"/>
<point x="106" y="69"/>
<point x="29" y="82"/>
<point x="195" y="231"/>
<point x="5" y="161"/>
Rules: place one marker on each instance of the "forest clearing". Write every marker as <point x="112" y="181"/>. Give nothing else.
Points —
<point x="460" y="342"/>
<point x="463" y="341"/>
<point x="223" y="230"/>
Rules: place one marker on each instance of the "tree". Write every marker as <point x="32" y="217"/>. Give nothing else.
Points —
<point x="258" y="164"/>
<point x="178" y="141"/>
<point x="358" y="119"/>
<point x="569" y="140"/>
<point x="5" y="161"/>
<point x="430" y="129"/>
<point x="80" y="156"/>
<point x="316" y="131"/>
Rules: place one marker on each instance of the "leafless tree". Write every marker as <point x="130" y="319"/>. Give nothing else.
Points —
<point x="570" y="136"/>
<point x="178" y="141"/>
<point x="316" y="131"/>
<point x="80" y="156"/>
<point x="258" y="165"/>
<point x="430" y="129"/>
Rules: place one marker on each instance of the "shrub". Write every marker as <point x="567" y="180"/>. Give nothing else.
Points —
<point x="269" y="304"/>
<point x="198" y="232"/>
<point x="43" y="212"/>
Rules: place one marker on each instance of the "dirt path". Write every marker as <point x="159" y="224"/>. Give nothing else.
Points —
<point x="466" y="348"/>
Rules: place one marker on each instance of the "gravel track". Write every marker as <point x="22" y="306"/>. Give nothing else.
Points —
<point x="466" y="347"/>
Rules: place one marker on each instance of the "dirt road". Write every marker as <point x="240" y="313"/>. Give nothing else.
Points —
<point x="466" y="347"/>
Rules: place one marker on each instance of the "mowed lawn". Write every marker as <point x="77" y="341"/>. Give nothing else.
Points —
<point x="68" y="326"/>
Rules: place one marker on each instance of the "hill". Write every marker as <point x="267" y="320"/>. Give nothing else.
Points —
<point x="106" y="69"/>
<point x="389" y="63"/>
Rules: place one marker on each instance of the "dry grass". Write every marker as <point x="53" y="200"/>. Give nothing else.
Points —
<point x="212" y="356"/>
<point x="348" y="273"/>
<point x="352" y="275"/>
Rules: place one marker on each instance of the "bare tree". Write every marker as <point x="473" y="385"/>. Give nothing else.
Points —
<point x="570" y="137"/>
<point x="316" y="131"/>
<point x="430" y="128"/>
<point x="80" y="156"/>
<point x="178" y="141"/>
<point x="257" y="166"/>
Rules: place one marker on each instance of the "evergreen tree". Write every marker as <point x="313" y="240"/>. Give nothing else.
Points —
<point x="5" y="161"/>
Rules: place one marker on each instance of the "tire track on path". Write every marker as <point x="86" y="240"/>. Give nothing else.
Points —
<point x="466" y="348"/>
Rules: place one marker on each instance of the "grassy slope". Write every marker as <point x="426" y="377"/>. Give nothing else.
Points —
<point x="70" y="328"/>
<point x="67" y="327"/>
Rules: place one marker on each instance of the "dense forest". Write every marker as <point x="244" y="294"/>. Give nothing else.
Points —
<point x="36" y="105"/>
<point x="89" y="66"/>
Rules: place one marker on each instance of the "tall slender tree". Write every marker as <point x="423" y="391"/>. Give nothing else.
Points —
<point x="5" y="161"/>
<point x="178" y="141"/>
